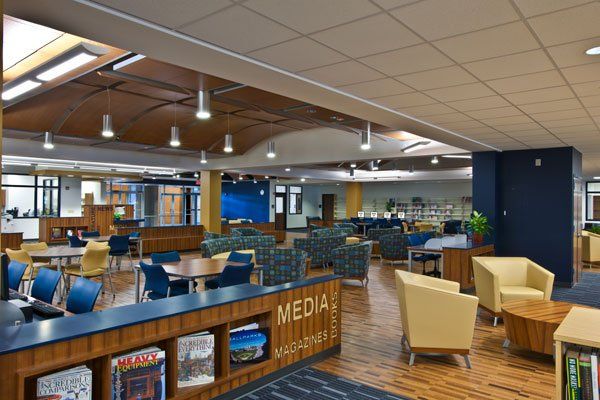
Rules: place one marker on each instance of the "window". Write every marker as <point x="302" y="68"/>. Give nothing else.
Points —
<point x="295" y="200"/>
<point x="280" y="188"/>
<point x="592" y="204"/>
<point x="28" y="196"/>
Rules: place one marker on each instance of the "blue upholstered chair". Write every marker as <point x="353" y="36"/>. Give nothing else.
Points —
<point x="213" y="235"/>
<point x="74" y="241"/>
<point x="326" y="232"/>
<point x="281" y="265"/>
<point x="211" y="247"/>
<point x="346" y="225"/>
<point x="158" y="285"/>
<point x="352" y="261"/>
<point x="231" y="276"/>
<point x="119" y="246"/>
<point x="45" y="284"/>
<point x="83" y="295"/>
<point x="393" y="247"/>
<point x="319" y="248"/>
<point x="89" y="234"/>
<point x="234" y="256"/>
<point x="245" y="232"/>
<point x="159" y="258"/>
<point x="376" y="233"/>
<point x="16" y="270"/>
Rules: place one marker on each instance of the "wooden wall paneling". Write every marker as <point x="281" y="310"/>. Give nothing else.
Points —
<point x="47" y="224"/>
<point x="167" y="238"/>
<point x="11" y="240"/>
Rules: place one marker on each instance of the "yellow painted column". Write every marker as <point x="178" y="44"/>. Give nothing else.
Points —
<point x="353" y="198"/>
<point x="210" y="200"/>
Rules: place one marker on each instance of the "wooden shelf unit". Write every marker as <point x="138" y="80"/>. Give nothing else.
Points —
<point x="54" y="230"/>
<point x="166" y="238"/>
<point x="580" y="328"/>
<point x="102" y="216"/>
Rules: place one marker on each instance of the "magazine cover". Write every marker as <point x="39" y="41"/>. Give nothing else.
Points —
<point x="71" y="384"/>
<point x="139" y="375"/>
<point x="195" y="359"/>
<point x="248" y="346"/>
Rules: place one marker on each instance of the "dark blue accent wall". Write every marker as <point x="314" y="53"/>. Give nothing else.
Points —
<point x="243" y="200"/>
<point x="531" y="207"/>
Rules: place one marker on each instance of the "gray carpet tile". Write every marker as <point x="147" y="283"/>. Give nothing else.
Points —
<point x="586" y="292"/>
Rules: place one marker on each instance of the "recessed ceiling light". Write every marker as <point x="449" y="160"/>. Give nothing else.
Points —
<point x="353" y="165"/>
<point x="302" y="179"/>
<point x="597" y="177"/>
<point x="288" y="169"/>
<point x="435" y="160"/>
<point x="266" y="176"/>
<point x="594" y="51"/>
<point x="241" y="178"/>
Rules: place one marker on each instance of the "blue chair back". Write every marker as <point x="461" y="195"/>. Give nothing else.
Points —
<point x="15" y="274"/>
<point x="234" y="256"/>
<point x="135" y="234"/>
<point x="232" y="276"/>
<point x="159" y="258"/>
<point x="83" y="295"/>
<point x="157" y="280"/>
<point x="74" y="241"/>
<point x="119" y="244"/>
<point x="45" y="284"/>
<point x="425" y="236"/>
<point x="89" y="234"/>
<point x="414" y="240"/>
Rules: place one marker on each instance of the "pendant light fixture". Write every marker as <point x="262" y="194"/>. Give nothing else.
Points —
<point x="107" y="128"/>
<point x="411" y="170"/>
<point x="366" y="138"/>
<point x="203" y="159"/>
<point x="175" y="131"/>
<point x="203" y="104"/>
<point x="49" y="141"/>
<point x="271" y="145"/>
<point x="228" y="148"/>
<point x="435" y="160"/>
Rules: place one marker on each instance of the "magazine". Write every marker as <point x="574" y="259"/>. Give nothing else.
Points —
<point x="71" y="384"/>
<point x="139" y="375"/>
<point x="196" y="359"/>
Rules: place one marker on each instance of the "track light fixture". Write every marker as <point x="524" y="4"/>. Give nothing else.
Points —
<point x="203" y="104"/>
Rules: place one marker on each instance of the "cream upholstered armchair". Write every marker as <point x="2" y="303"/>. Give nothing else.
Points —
<point x="502" y="279"/>
<point x="590" y="247"/>
<point x="436" y="317"/>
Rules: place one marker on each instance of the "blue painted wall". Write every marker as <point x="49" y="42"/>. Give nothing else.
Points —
<point x="538" y="202"/>
<point x="243" y="200"/>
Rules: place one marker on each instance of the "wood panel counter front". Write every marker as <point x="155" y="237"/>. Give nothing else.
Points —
<point x="303" y="319"/>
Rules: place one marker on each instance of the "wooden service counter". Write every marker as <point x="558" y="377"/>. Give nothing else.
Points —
<point x="158" y="239"/>
<point x="10" y="240"/>
<point x="458" y="265"/>
<point x="303" y="320"/>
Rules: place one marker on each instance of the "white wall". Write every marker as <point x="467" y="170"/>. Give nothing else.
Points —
<point x="70" y="197"/>
<point x="94" y="187"/>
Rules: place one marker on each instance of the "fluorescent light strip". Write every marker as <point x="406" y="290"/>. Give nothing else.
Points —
<point x="19" y="89"/>
<point x="415" y="146"/>
<point x="130" y="60"/>
<point x="465" y="156"/>
<point x="66" y="66"/>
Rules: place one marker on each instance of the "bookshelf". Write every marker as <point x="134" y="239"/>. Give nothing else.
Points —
<point x="580" y="327"/>
<point x="55" y="229"/>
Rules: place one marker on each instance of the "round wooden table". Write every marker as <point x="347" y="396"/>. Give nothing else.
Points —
<point x="531" y="323"/>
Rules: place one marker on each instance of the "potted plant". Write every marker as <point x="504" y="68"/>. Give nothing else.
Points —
<point x="479" y="225"/>
<point x="389" y="206"/>
<point x="117" y="216"/>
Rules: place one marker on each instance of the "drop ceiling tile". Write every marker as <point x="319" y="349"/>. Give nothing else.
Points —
<point x="540" y="95"/>
<point x="422" y="57"/>
<point x="582" y="73"/>
<point x="514" y="64"/>
<point x="238" y="22"/>
<point x="538" y="80"/>
<point x="594" y="111"/>
<point x="534" y="7"/>
<point x="597" y="119"/>
<point x="437" y="78"/>
<point x="526" y="126"/>
<point x="492" y="42"/>
<point x="460" y="125"/>
<point x="531" y="133"/>
<point x="436" y="19"/>
<point x="377" y="88"/>
<point x="570" y="54"/>
<point x="430" y="109"/>
<point x="308" y="16"/>
<point x="445" y="118"/>
<point x="574" y="129"/>
<point x="591" y="101"/>
<point x="292" y="55"/>
<point x="568" y="25"/>
<point x="404" y="100"/>
<point x="547" y="106"/>
<point x="165" y="13"/>
<point x="480" y="131"/>
<point x="587" y="88"/>
<point x="389" y="4"/>
<point x="375" y="34"/>
<point x="494" y="112"/>
<point x="559" y="115"/>
<point x="479" y="103"/>
<point x="567" y="122"/>
<point x="461" y="92"/>
<point x="517" y="119"/>
<point x="343" y="73"/>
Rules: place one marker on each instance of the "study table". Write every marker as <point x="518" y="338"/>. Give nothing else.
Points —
<point x="192" y="269"/>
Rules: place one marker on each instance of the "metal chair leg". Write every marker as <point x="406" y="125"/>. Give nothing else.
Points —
<point x="411" y="361"/>
<point x="495" y="321"/>
<point x="403" y="340"/>
<point x="467" y="360"/>
<point x="30" y="280"/>
<point x="506" y="343"/>
<point x="102" y="278"/>
<point x="112" y="289"/>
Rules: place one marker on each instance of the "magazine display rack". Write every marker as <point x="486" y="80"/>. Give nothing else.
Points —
<point x="303" y="321"/>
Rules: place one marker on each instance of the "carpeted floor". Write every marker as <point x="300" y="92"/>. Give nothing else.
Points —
<point x="586" y="292"/>
<point x="311" y="384"/>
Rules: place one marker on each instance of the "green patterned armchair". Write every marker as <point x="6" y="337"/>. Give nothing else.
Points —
<point x="319" y="248"/>
<point x="352" y="261"/>
<point x="376" y="233"/>
<point x="346" y="225"/>
<point x="245" y="232"/>
<point x="281" y="265"/>
<point x="213" y="235"/>
<point x="326" y="232"/>
<point x="393" y="247"/>
<point x="221" y="245"/>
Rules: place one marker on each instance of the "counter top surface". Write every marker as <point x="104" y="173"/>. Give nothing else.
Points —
<point x="17" y="338"/>
<point x="468" y="245"/>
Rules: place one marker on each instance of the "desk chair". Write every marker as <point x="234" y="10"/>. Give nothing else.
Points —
<point x="133" y="244"/>
<point x="74" y="241"/>
<point x="234" y="256"/>
<point x="16" y="270"/>
<point x="159" y="258"/>
<point x="119" y="246"/>
<point x="158" y="285"/>
<point x="92" y="244"/>
<point x="425" y="236"/>
<point x="416" y="240"/>
<point x="83" y="295"/>
<point x="32" y="268"/>
<point x="89" y="234"/>
<point x="45" y="284"/>
<point x="94" y="263"/>
<point x="231" y="276"/>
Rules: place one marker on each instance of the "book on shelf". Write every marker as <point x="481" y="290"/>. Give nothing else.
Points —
<point x="581" y="366"/>
<point x="195" y="359"/>
<point x="139" y="375"/>
<point x="70" y="384"/>
<point x="248" y="344"/>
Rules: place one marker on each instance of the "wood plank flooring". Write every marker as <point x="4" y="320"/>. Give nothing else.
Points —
<point x="371" y="351"/>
